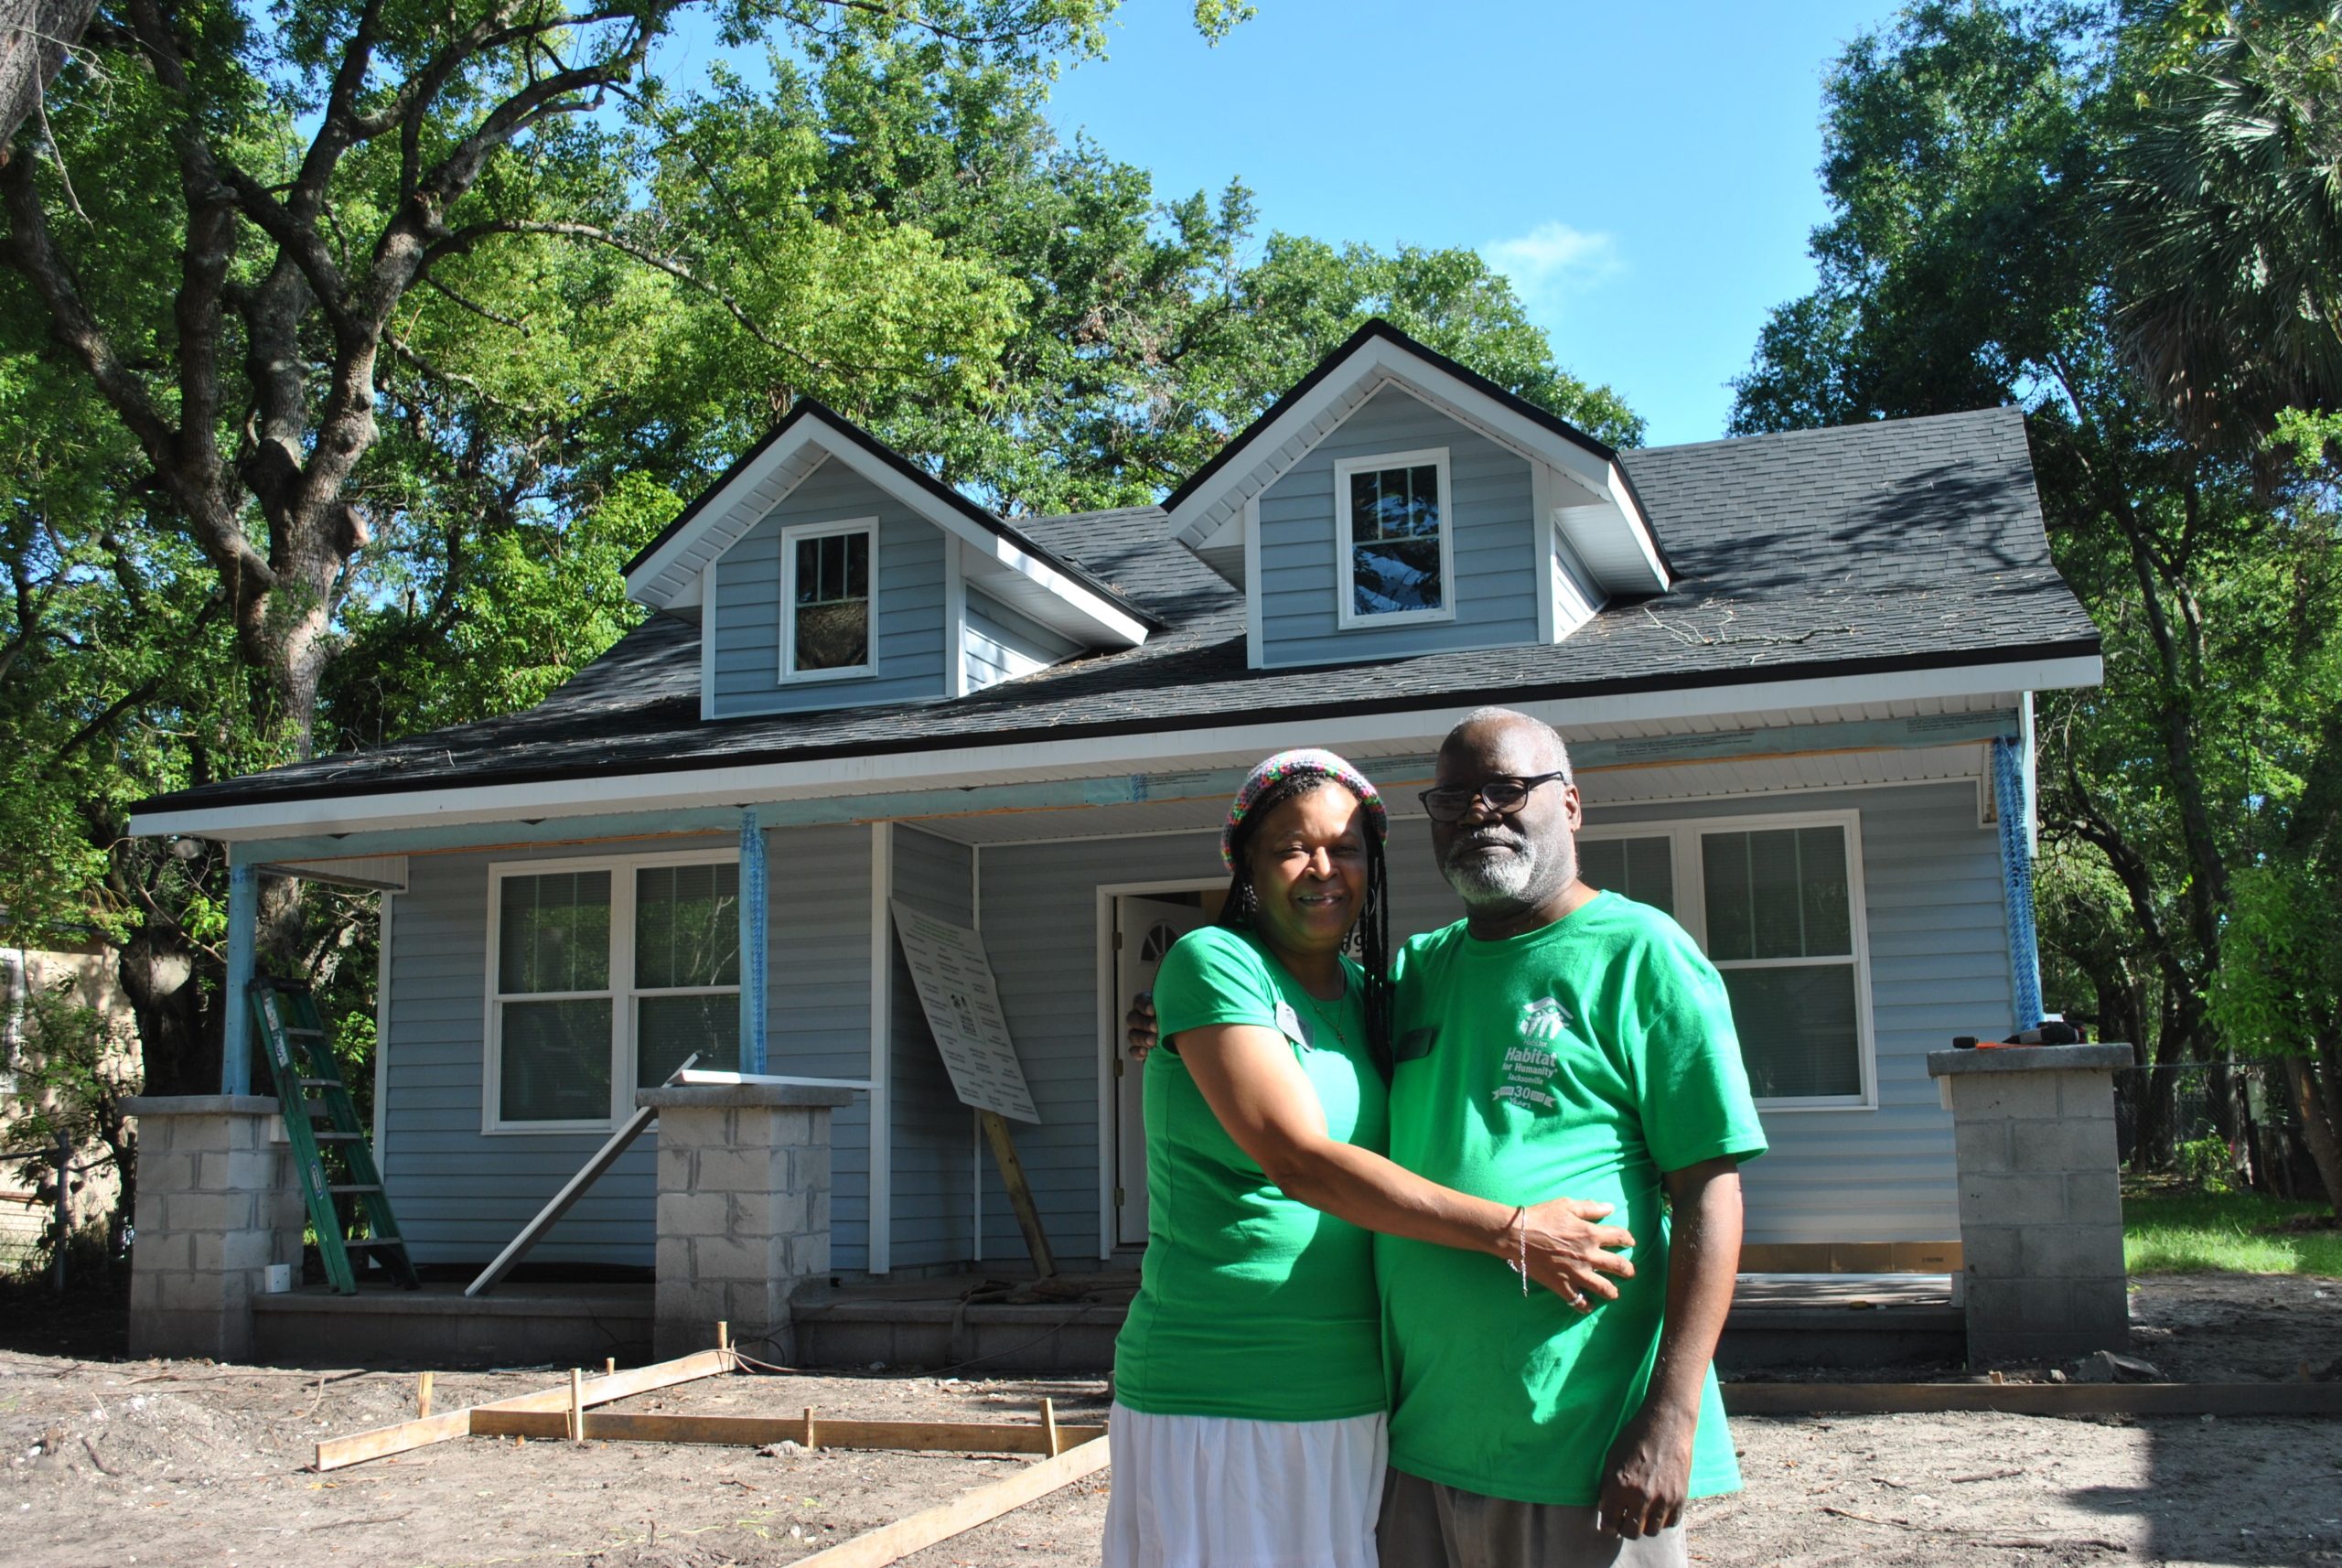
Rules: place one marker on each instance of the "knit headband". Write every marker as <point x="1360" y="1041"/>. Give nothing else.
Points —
<point x="1307" y="763"/>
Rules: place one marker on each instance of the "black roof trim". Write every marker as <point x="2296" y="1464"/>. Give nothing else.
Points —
<point x="1379" y="328"/>
<point x="813" y="408"/>
<point x="1466" y="697"/>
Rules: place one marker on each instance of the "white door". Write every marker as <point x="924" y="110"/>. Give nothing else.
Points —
<point x="1144" y="929"/>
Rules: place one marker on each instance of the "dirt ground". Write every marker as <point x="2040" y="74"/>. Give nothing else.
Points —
<point x="178" y="1463"/>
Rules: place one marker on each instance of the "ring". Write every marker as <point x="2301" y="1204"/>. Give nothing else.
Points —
<point x="1577" y="1300"/>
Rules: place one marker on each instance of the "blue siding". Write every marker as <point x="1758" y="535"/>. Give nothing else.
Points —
<point x="1018" y="644"/>
<point x="908" y="608"/>
<point x="1939" y="963"/>
<point x="1498" y="572"/>
<point x="933" y="1209"/>
<point x="461" y="1194"/>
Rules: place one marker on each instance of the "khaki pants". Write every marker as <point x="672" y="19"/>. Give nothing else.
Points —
<point x="1427" y="1525"/>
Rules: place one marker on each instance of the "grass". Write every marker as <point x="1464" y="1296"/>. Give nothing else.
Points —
<point x="2189" y="1232"/>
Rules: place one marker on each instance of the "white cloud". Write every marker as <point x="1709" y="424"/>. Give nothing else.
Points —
<point x="1554" y="262"/>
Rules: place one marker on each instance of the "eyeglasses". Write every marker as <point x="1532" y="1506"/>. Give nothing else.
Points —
<point x="1503" y="795"/>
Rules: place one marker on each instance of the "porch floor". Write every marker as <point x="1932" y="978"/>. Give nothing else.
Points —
<point x="521" y="1324"/>
<point x="998" y="1320"/>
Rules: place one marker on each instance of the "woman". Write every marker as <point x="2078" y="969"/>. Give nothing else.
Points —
<point x="1248" y="1414"/>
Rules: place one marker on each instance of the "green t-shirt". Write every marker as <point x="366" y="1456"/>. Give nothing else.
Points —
<point x="1251" y="1304"/>
<point x="1581" y="1060"/>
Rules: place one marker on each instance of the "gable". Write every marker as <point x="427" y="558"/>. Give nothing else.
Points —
<point x="670" y="574"/>
<point x="1491" y="557"/>
<point x="1581" y="485"/>
<point x="745" y="623"/>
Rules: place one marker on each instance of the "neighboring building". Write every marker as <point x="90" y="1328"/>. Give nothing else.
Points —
<point x="88" y="974"/>
<point x="1797" y="670"/>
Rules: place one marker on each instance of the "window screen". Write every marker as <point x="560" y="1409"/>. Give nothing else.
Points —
<point x="1780" y="929"/>
<point x="1642" y="869"/>
<point x="830" y="602"/>
<point x="686" y="968"/>
<point x="1394" y="541"/>
<point x="553" y="943"/>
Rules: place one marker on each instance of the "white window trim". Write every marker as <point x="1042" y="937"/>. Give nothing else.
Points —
<point x="1345" y="591"/>
<point x="790" y="537"/>
<point x="622" y="991"/>
<point x="1692" y="913"/>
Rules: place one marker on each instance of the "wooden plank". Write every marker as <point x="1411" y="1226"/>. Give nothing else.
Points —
<point x="335" y="1453"/>
<point x="571" y="1191"/>
<point x="2034" y="1399"/>
<point x="756" y="1431"/>
<point x="361" y="1447"/>
<point x="892" y="1543"/>
<point x="1020" y="1192"/>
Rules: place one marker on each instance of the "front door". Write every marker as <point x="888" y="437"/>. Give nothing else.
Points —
<point x="1144" y="929"/>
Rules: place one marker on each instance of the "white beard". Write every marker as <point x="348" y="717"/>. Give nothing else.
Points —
<point x="1482" y="880"/>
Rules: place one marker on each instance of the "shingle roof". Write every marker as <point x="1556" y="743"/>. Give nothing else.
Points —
<point x="1897" y="545"/>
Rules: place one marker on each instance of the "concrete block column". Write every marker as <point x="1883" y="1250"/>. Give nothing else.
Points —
<point x="743" y="1211"/>
<point x="2040" y="1200"/>
<point x="218" y="1203"/>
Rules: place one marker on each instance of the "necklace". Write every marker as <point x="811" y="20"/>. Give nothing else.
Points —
<point x="1332" y="1020"/>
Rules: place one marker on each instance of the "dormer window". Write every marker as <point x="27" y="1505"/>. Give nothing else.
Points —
<point x="825" y="596"/>
<point x="1395" y="548"/>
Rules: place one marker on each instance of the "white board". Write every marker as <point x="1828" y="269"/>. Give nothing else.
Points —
<point x="963" y="1006"/>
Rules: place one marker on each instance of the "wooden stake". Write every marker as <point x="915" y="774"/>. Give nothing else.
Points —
<point x="422" y="1397"/>
<point x="896" y="1541"/>
<point x="1049" y="1426"/>
<point x="577" y="1405"/>
<point x="609" y="1366"/>
<point x="812" y="1437"/>
<point x="1020" y="1192"/>
<point x="723" y="1337"/>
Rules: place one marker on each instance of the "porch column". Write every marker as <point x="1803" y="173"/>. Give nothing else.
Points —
<point x="755" y="956"/>
<point x="217" y="1204"/>
<point x="2013" y="808"/>
<point x="743" y="1211"/>
<point x="236" y="1026"/>
<point x="2040" y="1200"/>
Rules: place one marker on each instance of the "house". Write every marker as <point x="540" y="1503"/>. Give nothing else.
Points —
<point x="1797" y="673"/>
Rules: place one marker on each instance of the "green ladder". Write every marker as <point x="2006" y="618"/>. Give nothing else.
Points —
<point x="303" y="1065"/>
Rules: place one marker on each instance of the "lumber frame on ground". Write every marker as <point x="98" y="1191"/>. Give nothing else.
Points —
<point x="336" y="1452"/>
<point x="891" y="1543"/>
<point x="2034" y="1399"/>
<point x="756" y="1431"/>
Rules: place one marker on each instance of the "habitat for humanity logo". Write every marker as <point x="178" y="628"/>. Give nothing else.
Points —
<point x="1543" y="1019"/>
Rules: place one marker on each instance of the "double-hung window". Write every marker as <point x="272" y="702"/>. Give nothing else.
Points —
<point x="1394" y="539"/>
<point x="1777" y="904"/>
<point x="603" y="977"/>
<point x="825" y="571"/>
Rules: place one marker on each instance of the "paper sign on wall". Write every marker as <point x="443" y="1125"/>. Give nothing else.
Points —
<point x="955" y="990"/>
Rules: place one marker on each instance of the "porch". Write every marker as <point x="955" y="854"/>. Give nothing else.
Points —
<point x="985" y="1322"/>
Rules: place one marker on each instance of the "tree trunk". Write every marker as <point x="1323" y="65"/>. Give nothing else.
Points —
<point x="161" y="978"/>
<point x="2318" y="1126"/>
<point x="34" y="38"/>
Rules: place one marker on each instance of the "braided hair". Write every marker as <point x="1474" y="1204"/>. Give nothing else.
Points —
<point x="1369" y="938"/>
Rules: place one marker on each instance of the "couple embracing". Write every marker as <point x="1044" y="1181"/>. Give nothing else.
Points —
<point x="1409" y="1292"/>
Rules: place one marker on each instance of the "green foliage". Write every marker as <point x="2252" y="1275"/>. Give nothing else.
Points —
<point x="2205" y="1164"/>
<point x="72" y="1075"/>
<point x="2204" y="1232"/>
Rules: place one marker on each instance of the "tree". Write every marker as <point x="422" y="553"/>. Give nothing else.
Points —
<point x="2225" y="190"/>
<point x="1967" y="262"/>
<point x="35" y="35"/>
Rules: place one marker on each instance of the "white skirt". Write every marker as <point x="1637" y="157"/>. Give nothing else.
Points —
<point x="1206" y="1491"/>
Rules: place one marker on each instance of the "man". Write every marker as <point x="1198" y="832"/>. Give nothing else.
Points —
<point x="1556" y="1040"/>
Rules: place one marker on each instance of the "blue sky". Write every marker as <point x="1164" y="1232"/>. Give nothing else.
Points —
<point x="1646" y="173"/>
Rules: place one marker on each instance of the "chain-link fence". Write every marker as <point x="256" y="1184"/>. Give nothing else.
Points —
<point x="2232" y="1123"/>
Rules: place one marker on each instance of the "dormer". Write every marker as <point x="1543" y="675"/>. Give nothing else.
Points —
<point x="1396" y="503"/>
<point x="826" y="571"/>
